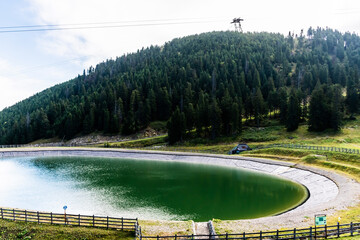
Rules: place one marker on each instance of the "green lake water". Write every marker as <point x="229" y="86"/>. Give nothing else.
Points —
<point x="143" y="189"/>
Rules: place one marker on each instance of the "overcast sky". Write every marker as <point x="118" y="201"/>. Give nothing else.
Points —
<point x="33" y="61"/>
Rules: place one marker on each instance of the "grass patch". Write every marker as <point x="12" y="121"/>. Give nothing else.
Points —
<point x="20" y="230"/>
<point x="282" y="152"/>
<point x="139" y="143"/>
<point x="166" y="228"/>
<point x="159" y="126"/>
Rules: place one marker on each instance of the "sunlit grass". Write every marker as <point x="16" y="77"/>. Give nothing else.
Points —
<point x="21" y="230"/>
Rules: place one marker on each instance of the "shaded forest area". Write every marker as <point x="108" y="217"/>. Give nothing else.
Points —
<point x="203" y="85"/>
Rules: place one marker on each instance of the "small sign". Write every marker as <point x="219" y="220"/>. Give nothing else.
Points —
<point x="320" y="220"/>
<point x="65" y="207"/>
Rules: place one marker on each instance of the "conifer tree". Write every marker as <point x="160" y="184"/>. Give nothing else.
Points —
<point x="176" y="126"/>
<point x="293" y="111"/>
<point x="259" y="106"/>
<point x="336" y="102"/>
<point x="318" y="110"/>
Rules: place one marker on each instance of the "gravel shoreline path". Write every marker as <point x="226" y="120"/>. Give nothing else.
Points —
<point x="329" y="191"/>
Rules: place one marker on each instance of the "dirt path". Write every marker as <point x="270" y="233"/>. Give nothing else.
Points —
<point x="201" y="228"/>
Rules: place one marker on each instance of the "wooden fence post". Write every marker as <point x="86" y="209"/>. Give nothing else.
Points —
<point x="325" y="231"/>
<point x="351" y="229"/>
<point x="51" y="218"/>
<point x="122" y="223"/>
<point x="175" y="237"/>
<point x="140" y="233"/>
<point x="14" y="214"/>
<point x="25" y="216"/>
<point x="315" y="232"/>
<point x="107" y="222"/>
<point x="93" y="221"/>
<point x="244" y="235"/>
<point x="294" y="233"/>
<point x="260" y="235"/>
<point x="2" y="214"/>
<point x="38" y="217"/>
<point x="310" y="233"/>
<point x="79" y="220"/>
<point x="277" y="234"/>
<point x="338" y="229"/>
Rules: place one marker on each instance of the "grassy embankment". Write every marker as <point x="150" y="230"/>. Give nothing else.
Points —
<point x="349" y="164"/>
<point x="21" y="230"/>
<point x="344" y="163"/>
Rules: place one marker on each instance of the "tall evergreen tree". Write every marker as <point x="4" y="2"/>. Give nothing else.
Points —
<point x="293" y="111"/>
<point x="283" y="105"/>
<point x="336" y="102"/>
<point x="176" y="126"/>
<point x="215" y="116"/>
<point x="318" y="110"/>
<point x="259" y="106"/>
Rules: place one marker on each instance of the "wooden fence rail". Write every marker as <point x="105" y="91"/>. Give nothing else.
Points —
<point x="309" y="147"/>
<point x="69" y="219"/>
<point x="334" y="231"/>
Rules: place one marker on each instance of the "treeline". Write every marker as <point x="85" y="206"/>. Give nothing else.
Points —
<point x="203" y="85"/>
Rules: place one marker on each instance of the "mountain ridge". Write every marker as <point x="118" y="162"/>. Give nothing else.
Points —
<point x="209" y="81"/>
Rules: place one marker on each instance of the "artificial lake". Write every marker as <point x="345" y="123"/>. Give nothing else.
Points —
<point x="144" y="189"/>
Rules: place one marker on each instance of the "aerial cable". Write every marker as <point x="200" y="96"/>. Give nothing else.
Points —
<point x="100" y="23"/>
<point x="39" y="28"/>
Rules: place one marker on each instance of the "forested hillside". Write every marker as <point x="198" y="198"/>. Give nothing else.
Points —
<point x="205" y="84"/>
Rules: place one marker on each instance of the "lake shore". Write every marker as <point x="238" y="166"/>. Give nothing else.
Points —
<point x="329" y="191"/>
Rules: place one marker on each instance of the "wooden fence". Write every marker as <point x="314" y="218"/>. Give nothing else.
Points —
<point x="69" y="219"/>
<point x="308" y="147"/>
<point x="323" y="232"/>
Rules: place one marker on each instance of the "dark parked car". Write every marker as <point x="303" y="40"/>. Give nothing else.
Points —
<point x="240" y="148"/>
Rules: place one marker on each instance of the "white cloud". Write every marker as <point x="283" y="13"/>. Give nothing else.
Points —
<point x="260" y="15"/>
<point x="15" y="91"/>
<point x="4" y="65"/>
<point x="100" y="44"/>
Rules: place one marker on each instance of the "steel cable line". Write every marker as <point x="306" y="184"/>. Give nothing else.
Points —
<point x="102" y="23"/>
<point x="59" y="27"/>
